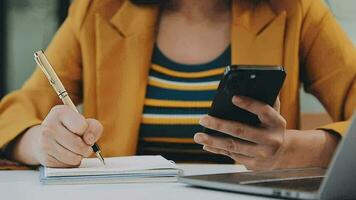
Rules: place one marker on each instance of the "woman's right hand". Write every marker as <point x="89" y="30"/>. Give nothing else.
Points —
<point x="63" y="139"/>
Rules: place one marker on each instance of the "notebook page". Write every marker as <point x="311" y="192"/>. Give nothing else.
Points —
<point x="114" y="165"/>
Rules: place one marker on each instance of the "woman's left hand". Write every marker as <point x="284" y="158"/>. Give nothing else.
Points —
<point x="255" y="147"/>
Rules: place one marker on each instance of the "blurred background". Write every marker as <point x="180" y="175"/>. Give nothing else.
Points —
<point x="29" y="25"/>
<point x="25" y="26"/>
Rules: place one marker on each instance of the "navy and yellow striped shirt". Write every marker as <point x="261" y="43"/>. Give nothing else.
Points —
<point x="177" y="96"/>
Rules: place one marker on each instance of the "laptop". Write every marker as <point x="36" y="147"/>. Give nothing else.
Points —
<point x="338" y="182"/>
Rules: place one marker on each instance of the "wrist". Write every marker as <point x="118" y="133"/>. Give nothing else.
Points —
<point x="332" y="140"/>
<point x="309" y="148"/>
<point x="24" y="149"/>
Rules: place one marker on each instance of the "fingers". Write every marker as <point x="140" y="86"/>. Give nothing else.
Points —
<point x="227" y="144"/>
<point x="48" y="148"/>
<point x="53" y="162"/>
<point x="69" y="118"/>
<point x="232" y="128"/>
<point x="72" y="142"/>
<point x="66" y="137"/>
<point x="93" y="132"/>
<point x="268" y="116"/>
<point x="64" y="155"/>
<point x="247" y="161"/>
<point x="277" y="105"/>
<point x="254" y="147"/>
<point x="76" y="144"/>
<point x="234" y="146"/>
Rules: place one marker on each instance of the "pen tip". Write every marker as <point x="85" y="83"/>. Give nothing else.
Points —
<point x="98" y="154"/>
<point x="102" y="160"/>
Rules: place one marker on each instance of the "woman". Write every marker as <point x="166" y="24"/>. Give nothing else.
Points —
<point x="145" y="72"/>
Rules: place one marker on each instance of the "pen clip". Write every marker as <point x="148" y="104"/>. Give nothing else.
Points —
<point x="42" y="66"/>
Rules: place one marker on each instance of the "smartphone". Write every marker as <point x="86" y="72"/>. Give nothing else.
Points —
<point x="259" y="82"/>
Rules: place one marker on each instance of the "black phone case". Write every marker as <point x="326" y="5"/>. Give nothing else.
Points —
<point x="262" y="83"/>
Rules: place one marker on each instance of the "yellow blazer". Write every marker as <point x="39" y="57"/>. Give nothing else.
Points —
<point x="103" y="50"/>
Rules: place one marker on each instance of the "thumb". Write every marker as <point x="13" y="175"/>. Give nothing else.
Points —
<point x="277" y="105"/>
<point x="93" y="132"/>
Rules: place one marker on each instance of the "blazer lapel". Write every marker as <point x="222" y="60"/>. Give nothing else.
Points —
<point x="257" y="33"/>
<point x="124" y="47"/>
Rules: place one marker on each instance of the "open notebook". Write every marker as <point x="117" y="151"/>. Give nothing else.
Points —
<point x="117" y="170"/>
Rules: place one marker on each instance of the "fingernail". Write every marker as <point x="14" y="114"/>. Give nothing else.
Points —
<point x="237" y="99"/>
<point x="90" y="138"/>
<point x="198" y="138"/>
<point x="203" y="121"/>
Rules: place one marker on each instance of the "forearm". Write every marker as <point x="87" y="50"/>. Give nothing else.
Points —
<point x="311" y="148"/>
<point x="23" y="148"/>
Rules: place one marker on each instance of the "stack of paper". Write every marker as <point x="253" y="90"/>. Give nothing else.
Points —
<point x="116" y="170"/>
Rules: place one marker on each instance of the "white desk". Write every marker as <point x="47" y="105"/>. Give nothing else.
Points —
<point x="24" y="185"/>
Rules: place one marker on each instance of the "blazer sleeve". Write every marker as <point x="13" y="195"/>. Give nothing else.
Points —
<point x="29" y="105"/>
<point x="328" y="60"/>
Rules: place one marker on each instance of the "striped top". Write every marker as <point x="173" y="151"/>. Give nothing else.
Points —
<point x="177" y="96"/>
